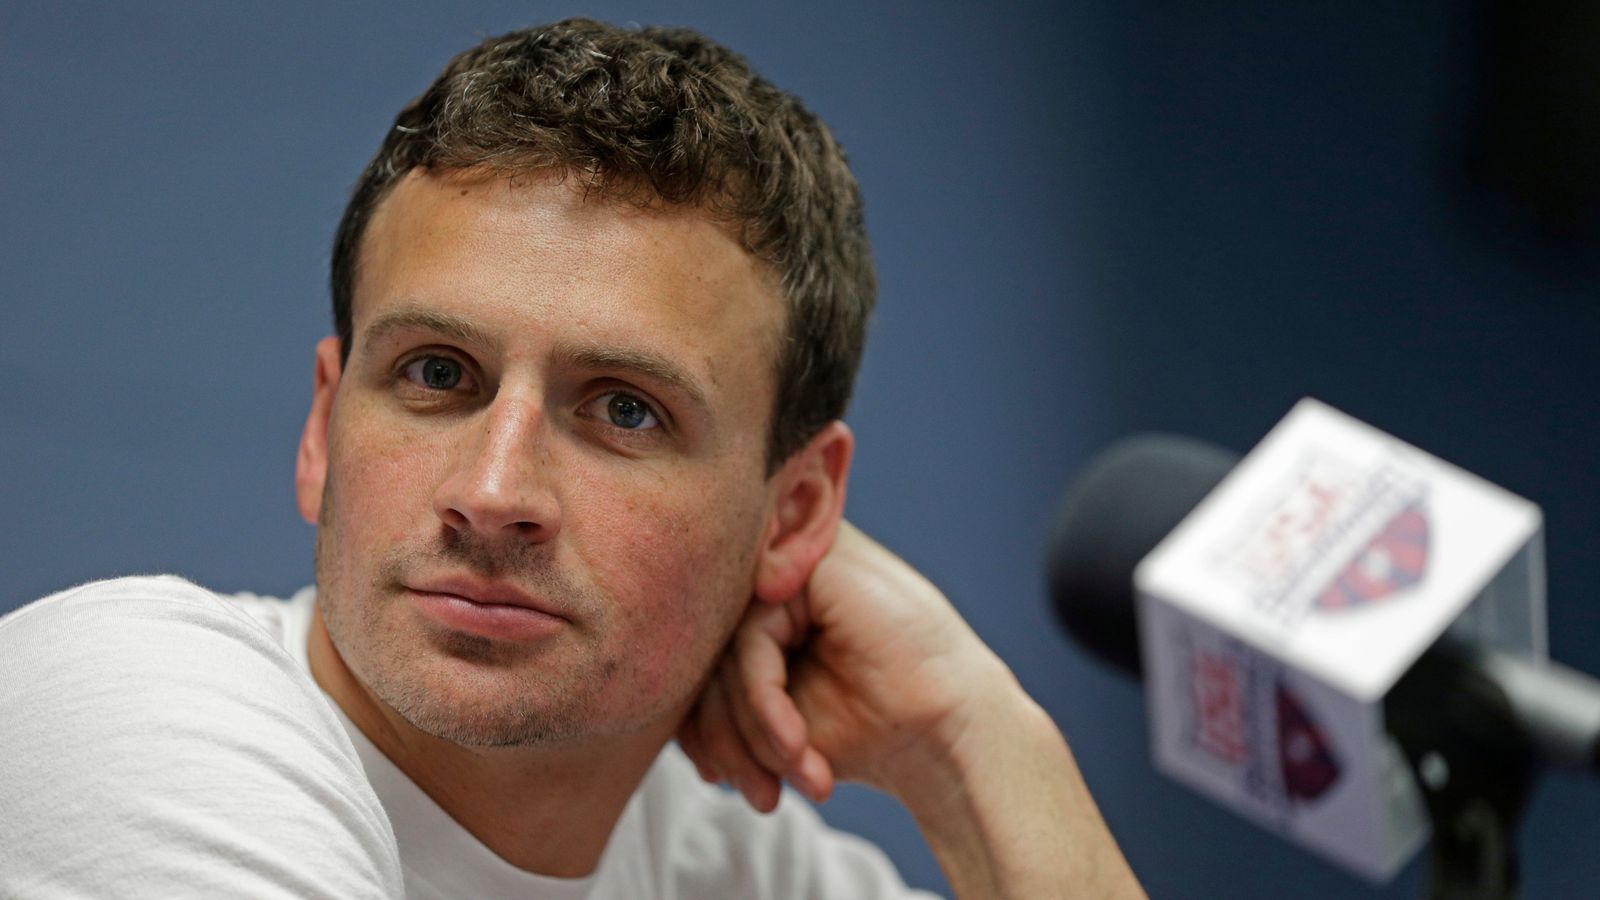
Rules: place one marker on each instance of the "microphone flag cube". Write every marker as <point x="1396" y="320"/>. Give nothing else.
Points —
<point x="1276" y="617"/>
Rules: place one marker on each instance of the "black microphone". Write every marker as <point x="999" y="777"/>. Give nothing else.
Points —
<point x="1137" y="491"/>
<point x="1127" y="499"/>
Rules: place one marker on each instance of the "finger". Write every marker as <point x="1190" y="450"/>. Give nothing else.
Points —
<point x="814" y="776"/>
<point x="758" y="685"/>
<point x="729" y="753"/>
<point x="756" y="689"/>
<point x="762" y="744"/>
<point x="694" y="747"/>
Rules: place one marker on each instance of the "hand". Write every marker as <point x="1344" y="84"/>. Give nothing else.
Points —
<point x="871" y="675"/>
<point x="868" y="675"/>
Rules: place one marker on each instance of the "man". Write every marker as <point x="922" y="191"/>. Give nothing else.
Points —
<point x="577" y="468"/>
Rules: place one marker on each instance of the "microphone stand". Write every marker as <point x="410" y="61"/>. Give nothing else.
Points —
<point x="1476" y="768"/>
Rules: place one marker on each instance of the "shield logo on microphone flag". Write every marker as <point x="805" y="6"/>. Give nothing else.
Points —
<point x="1308" y="764"/>
<point x="1395" y="559"/>
<point x="1330" y="532"/>
<point x="1248" y="717"/>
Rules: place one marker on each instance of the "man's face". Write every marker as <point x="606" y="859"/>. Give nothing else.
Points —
<point x="544" y="482"/>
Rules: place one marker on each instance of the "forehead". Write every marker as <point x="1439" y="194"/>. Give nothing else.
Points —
<point x="538" y="256"/>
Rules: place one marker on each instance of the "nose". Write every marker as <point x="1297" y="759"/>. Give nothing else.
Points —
<point x="501" y="483"/>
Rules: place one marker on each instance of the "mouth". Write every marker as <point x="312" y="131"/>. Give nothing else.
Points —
<point x="495" y="610"/>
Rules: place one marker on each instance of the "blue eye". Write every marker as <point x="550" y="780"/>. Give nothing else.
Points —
<point x="630" y="412"/>
<point x="439" y="373"/>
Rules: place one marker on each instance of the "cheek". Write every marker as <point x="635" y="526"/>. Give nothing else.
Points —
<point x="380" y="476"/>
<point x="677" y="559"/>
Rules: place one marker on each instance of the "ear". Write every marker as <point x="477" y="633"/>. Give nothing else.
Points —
<point x="807" y="505"/>
<point x="311" y="463"/>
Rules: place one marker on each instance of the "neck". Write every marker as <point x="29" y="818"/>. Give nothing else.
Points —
<point x="543" y="809"/>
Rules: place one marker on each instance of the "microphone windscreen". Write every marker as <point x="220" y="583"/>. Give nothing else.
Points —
<point x="1128" y="498"/>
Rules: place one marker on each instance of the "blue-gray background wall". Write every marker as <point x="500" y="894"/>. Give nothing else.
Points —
<point x="1089" y="220"/>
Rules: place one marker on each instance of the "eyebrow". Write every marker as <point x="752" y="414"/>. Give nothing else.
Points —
<point x="453" y="327"/>
<point x="650" y="366"/>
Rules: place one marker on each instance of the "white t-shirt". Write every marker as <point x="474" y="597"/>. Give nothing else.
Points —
<point x="157" y="740"/>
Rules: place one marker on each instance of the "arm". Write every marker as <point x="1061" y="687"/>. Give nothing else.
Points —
<point x="871" y="675"/>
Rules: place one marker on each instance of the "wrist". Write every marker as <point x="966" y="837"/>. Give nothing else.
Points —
<point x="988" y="711"/>
<point x="1005" y="810"/>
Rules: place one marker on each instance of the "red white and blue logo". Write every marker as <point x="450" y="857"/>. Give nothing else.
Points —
<point x="1334" y="536"/>
<point x="1305" y="755"/>
<point x="1249" y="718"/>
<point x="1395" y="559"/>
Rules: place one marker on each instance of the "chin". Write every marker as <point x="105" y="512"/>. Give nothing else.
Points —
<point x="478" y="715"/>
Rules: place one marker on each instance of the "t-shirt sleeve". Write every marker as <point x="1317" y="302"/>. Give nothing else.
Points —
<point x="155" y="742"/>
<point x="711" y="844"/>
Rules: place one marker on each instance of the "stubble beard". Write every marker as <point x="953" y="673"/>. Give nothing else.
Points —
<point x="533" y="706"/>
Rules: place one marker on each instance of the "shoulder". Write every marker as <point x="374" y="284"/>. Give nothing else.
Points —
<point x="141" y="642"/>
<point x="154" y="729"/>
<point x="705" y="842"/>
<point x="139" y="588"/>
<point x="167" y="605"/>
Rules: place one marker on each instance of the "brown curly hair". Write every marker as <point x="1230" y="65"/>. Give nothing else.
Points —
<point x="656" y="115"/>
